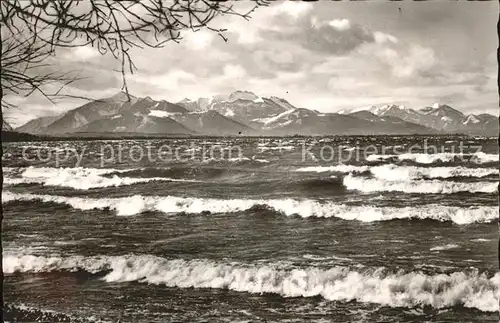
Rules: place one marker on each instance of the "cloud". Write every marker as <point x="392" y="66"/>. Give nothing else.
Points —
<point x="340" y="24"/>
<point x="382" y="38"/>
<point x="168" y="81"/>
<point x="335" y="37"/>
<point x="274" y="59"/>
<point x="178" y="84"/>
<point x="325" y="56"/>
<point x="294" y="9"/>
<point x="405" y="61"/>
<point x="348" y="84"/>
<point x="82" y="54"/>
<point x="98" y="79"/>
<point x="248" y="37"/>
<point x="234" y="72"/>
<point x="272" y="18"/>
<point x="198" y="40"/>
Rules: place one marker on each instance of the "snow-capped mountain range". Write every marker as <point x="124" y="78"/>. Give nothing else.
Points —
<point x="245" y="113"/>
<point x="438" y="116"/>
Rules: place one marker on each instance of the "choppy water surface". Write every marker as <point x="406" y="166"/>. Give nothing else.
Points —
<point x="342" y="229"/>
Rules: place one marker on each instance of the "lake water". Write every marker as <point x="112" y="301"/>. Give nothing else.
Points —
<point x="334" y="229"/>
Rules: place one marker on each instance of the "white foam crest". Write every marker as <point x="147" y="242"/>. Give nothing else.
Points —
<point x="394" y="172"/>
<point x="35" y="264"/>
<point x="334" y="169"/>
<point x="260" y="160"/>
<point x="487" y="158"/>
<point x="376" y="157"/>
<point x="79" y="178"/>
<point x="239" y="159"/>
<point x="470" y="289"/>
<point x="421" y="158"/>
<point x="445" y="247"/>
<point x="305" y="208"/>
<point x="370" y="185"/>
<point x="391" y="172"/>
<point x="481" y="240"/>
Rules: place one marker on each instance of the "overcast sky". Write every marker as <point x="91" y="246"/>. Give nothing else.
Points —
<point x="326" y="56"/>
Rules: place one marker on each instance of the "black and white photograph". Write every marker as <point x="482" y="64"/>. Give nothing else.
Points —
<point x="249" y="161"/>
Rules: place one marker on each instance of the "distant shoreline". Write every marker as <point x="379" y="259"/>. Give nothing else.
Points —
<point x="12" y="136"/>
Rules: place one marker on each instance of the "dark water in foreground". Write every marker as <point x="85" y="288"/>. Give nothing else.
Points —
<point x="256" y="236"/>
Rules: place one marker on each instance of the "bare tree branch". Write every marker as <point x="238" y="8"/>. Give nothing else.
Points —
<point x="33" y="30"/>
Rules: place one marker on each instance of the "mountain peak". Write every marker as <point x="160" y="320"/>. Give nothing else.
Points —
<point x="242" y="95"/>
<point x="471" y="119"/>
<point x="121" y="97"/>
<point x="426" y="110"/>
<point x="275" y="98"/>
<point x="244" y="111"/>
<point x="442" y="110"/>
<point x="380" y="111"/>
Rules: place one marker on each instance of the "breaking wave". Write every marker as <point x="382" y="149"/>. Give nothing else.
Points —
<point x="305" y="208"/>
<point x="421" y="158"/>
<point x="367" y="285"/>
<point x="370" y="185"/>
<point x="395" y="172"/>
<point x="79" y="178"/>
<point x="445" y="247"/>
<point x="235" y="160"/>
<point x="175" y="172"/>
<point x="335" y="169"/>
<point x="481" y="240"/>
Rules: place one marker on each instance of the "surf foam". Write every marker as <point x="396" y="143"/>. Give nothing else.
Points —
<point x="334" y="169"/>
<point x="421" y="158"/>
<point x="78" y="178"/>
<point x="344" y="284"/>
<point x="445" y="247"/>
<point x="371" y="185"/>
<point x="305" y="208"/>
<point x="395" y="172"/>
